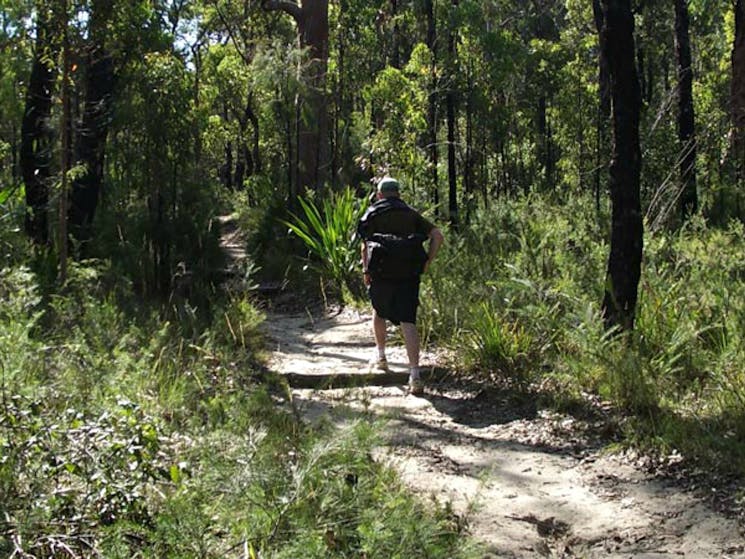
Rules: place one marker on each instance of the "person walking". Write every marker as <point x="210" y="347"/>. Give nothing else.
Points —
<point x="393" y="260"/>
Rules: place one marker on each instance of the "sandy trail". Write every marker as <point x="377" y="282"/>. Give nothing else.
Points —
<point x="528" y="482"/>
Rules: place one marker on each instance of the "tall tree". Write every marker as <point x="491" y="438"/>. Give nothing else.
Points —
<point x="395" y="39"/>
<point x="686" y="130"/>
<point x="450" y="109"/>
<point x="312" y="23"/>
<point x="65" y="150"/>
<point x="432" y="102"/>
<point x="37" y="135"/>
<point x="603" y="113"/>
<point x="737" y="99"/>
<point x="94" y="125"/>
<point x="624" y="261"/>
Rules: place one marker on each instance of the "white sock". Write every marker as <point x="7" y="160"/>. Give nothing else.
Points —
<point x="381" y="354"/>
<point x="414" y="373"/>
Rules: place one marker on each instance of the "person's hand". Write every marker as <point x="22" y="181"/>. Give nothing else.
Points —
<point x="426" y="266"/>
<point x="366" y="279"/>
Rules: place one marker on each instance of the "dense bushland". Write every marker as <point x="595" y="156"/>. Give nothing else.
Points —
<point x="517" y="296"/>
<point x="126" y="434"/>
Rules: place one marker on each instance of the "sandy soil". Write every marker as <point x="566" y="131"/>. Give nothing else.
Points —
<point x="526" y="481"/>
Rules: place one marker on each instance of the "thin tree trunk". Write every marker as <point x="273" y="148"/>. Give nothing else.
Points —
<point x="624" y="262"/>
<point x="737" y="96"/>
<point x="396" y="40"/>
<point x="65" y="152"/>
<point x="432" y="103"/>
<point x="256" y="137"/>
<point x="450" y="108"/>
<point x="14" y="152"/>
<point x="469" y="164"/>
<point x="37" y="136"/>
<point x="686" y="129"/>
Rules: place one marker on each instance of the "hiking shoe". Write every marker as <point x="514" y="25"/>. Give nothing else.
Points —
<point x="379" y="364"/>
<point x="416" y="387"/>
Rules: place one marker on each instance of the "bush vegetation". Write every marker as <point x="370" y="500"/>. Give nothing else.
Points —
<point x="125" y="434"/>
<point x="518" y="296"/>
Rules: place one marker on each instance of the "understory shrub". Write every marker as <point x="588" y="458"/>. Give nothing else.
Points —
<point x="526" y="278"/>
<point x="123" y="434"/>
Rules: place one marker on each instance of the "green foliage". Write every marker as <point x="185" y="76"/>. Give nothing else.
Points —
<point x="498" y="346"/>
<point x="522" y="288"/>
<point x="401" y="97"/>
<point x="125" y="435"/>
<point x="328" y="231"/>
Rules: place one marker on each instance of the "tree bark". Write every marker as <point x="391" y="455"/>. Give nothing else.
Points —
<point x="396" y="46"/>
<point x="65" y="150"/>
<point x="686" y="129"/>
<point x="450" y="108"/>
<point x="91" y="140"/>
<point x="624" y="262"/>
<point x="432" y="104"/>
<point x="469" y="162"/>
<point x="313" y="138"/>
<point x="37" y="136"/>
<point x="737" y="97"/>
<point x="603" y="114"/>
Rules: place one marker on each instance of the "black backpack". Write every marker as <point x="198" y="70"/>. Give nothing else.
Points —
<point x="392" y="257"/>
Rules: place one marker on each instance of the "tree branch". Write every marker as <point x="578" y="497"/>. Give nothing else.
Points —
<point x="285" y="6"/>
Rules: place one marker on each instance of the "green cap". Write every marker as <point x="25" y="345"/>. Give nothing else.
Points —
<point x="388" y="184"/>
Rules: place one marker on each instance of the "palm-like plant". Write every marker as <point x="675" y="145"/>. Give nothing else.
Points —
<point x="327" y="229"/>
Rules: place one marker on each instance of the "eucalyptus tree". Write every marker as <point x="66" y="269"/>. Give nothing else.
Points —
<point x="37" y="133"/>
<point x="450" y="102"/>
<point x="97" y="93"/>
<point x="603" y="111"/>
<point x="624" y="261"/>
<point x="235" y="34"/>
<point x="686" y="130"/>
<point x="311" y="19"/>
<point x="432" y="103"/>
<point x="16" y="54"/>
<point x="737" y="100"/>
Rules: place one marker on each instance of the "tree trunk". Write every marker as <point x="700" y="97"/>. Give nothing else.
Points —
<point x="450" y="108"/>
<point x="313" y="139"/>
<point x="395" y="40"/>
<point x="91" y="141"/>
<point x="37" y="137"/>
<point x="432" y="103"/>
<point x="738" y="100"/>
<point x="624" y="262"/>
<point x="603" y="106"/>
<point x="469" y="163"/>
<point x="65" y="151"/>
<point x="256" y="136"/>
<point x="686" y="130"/>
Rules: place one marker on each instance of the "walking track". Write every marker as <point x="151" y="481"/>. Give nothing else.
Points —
<point x="527" y="481"/>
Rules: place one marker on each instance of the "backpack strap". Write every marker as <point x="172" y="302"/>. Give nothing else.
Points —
<point x="378" y="208"/>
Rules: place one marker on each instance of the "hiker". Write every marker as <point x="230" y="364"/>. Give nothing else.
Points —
<point x="393" y="260"/>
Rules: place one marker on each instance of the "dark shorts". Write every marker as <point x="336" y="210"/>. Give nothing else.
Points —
<point x="396" y="301"/>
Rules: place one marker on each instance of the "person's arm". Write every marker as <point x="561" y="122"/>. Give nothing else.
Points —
<point x="436" y="239"/>
<point x="366" y="277"/>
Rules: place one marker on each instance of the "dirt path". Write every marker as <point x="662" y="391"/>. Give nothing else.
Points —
<point x="528" y="482"/>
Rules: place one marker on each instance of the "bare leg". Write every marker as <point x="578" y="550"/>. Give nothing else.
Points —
<point x="379" y="331"/>
<point x="411" y="339"/>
